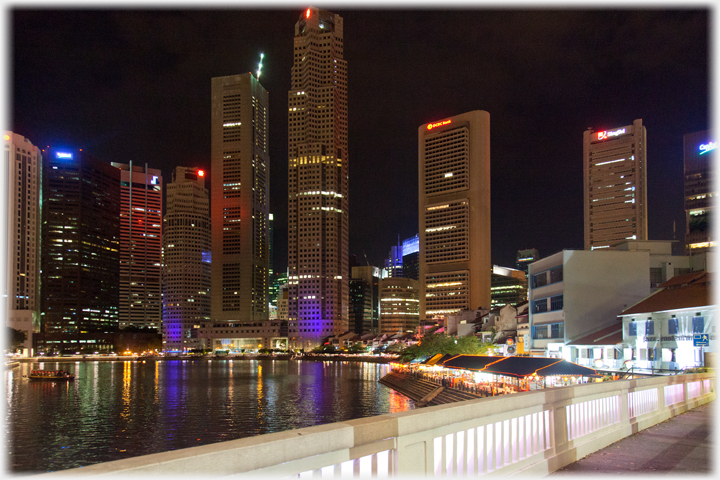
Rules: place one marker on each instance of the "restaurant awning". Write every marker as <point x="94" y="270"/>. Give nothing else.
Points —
<point x="436" y="359"/>
<point x="516" y="366"/>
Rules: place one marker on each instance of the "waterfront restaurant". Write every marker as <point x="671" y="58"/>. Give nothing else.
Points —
<point x="491" y="375"/>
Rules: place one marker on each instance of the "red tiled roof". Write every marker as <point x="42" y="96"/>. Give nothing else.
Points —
<point x="611" y="335"/>
<point x="683" y="279"/>
<point x="685" y="291"/>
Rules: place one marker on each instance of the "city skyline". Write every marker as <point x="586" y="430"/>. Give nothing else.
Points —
<point x="544" y="76"/>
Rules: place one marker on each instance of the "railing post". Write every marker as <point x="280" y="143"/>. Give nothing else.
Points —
<point x="558" y="432"/>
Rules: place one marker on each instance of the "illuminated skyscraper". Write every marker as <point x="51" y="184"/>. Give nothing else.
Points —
<point x="140" y="246"/>
<point x="525" y="258"/>
<point x="615" y="184"/>
<point x="508" y="286"/>
<point x="364" y="299"/>
<point x="698" y="161"/>
<point x="240" y="193"/>
<point x="454" y="211"/>
<point x="318" y="265"/>
<point x="80" y="253"/>
<point x="186" y="260"/>
<point x="399" y="305"/>
<point x="411" y="257"/>
<point x="23" y="164"/>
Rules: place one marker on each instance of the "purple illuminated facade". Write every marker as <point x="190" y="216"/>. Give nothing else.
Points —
<point x="186" y="260"/>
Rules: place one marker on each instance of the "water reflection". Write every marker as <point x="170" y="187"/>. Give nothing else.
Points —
<point x="116" y="410"/>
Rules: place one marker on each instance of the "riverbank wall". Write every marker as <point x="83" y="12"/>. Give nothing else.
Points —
<point x="133" y="358"/>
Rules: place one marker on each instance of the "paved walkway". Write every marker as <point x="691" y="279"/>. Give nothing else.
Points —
<point x="680" y="445"/>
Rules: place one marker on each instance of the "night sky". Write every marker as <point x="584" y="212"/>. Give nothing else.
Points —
<point x="130" y="84"/>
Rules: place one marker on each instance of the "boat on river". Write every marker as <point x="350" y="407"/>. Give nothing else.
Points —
<point x="61" y="375"/>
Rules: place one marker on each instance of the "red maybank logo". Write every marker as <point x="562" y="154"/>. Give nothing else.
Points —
<point x="438" y="124"/>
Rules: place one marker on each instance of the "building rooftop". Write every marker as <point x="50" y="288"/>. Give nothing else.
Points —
<point x="684" y="291"/>
<point x="611" y="335"/>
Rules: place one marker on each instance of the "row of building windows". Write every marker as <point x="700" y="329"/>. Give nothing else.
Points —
<point x="698" y="326"/>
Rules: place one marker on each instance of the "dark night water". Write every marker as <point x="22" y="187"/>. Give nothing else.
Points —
<point x="117" y="410"/>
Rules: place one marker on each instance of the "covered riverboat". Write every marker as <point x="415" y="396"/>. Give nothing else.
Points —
<point x="50" y="375"/>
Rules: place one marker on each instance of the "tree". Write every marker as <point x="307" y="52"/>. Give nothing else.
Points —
<point x="324" y="349"/>
<point x="433" y="344"/>
<point x="357" y="348"/>
<point x="16" y="338"/>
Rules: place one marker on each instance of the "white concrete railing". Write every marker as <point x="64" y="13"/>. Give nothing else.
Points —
<point x="531" y="432"/>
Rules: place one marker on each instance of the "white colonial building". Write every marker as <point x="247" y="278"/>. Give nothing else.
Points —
<point x="674" y="328"/>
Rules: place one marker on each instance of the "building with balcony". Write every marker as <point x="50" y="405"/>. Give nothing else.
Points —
<point x="574" y="293"/>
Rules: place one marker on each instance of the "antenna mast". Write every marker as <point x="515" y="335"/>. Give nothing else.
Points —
<point x="260" y="65"/>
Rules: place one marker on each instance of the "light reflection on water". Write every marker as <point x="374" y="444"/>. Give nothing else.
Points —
<point x="116" y="410"/>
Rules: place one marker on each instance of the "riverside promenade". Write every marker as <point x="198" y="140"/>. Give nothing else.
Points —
<point x="681" y="445"/>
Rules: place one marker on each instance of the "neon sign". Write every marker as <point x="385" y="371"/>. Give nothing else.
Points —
<point x="706" y="147"/>
<point x="605" y="134"/>
<point x="438" y="124"/>
<point x="63" y="155"/>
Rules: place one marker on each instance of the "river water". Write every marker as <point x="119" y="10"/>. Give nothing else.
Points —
<point x="116" y="410"/>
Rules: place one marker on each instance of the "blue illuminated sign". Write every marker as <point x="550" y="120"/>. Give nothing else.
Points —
<point x="154" y="180"/>
<point x="706" y="147"/>
<point x="701" y="340"/>
<point x="63" y="155"/>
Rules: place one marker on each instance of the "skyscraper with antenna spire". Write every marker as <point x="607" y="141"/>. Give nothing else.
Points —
<point x="240" y="191"/>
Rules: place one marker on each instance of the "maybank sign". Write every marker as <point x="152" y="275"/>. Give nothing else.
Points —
<point x="604" y="135"/>
<point x="63" y="155"/>
<point x="706" y="147"/>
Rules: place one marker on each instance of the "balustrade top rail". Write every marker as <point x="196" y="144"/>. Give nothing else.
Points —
<point x="534" y="432"/>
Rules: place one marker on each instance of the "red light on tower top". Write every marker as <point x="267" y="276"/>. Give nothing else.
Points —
<point x="201" y="173"/>
<point x="307" y="13"/>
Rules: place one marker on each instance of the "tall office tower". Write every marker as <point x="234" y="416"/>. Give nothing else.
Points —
<point x="507" y="287"/>
<point x="454" y="211"/>
<point x="393" y="264"/>
<point x="271" y="256"/>
<point x="80" y="253"/>
<point x="318" y="273"/>
<point x="140" y="246"/>
<point x="525" y="258"/>
<point x="364" y="299"/>
<point x="399" y="305"/>
<point x="615" y="180"/>
<point x="277" y="280"/>
<point x="186" y="260"/>
<point x="23" y="162"/>
<point x="699" y="192"/>
<point x="411" y="257"/>
<point x="240" y="196"/>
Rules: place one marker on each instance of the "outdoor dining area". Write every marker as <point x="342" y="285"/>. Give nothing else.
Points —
<point x="493" y="375"/>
